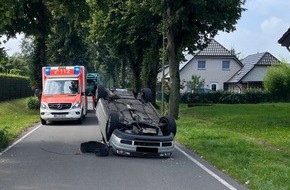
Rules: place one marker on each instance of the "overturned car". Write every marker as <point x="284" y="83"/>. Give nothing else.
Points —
<point x="131" y="126"/>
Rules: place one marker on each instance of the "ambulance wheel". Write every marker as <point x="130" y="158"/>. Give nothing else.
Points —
<point x="80" y="120"/>
<point x="43" y="122"/>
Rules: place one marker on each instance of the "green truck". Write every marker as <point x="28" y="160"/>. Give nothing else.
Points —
<point x="93" y="79"/>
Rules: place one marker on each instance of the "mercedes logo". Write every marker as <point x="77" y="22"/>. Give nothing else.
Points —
<point x="59" y="106"/>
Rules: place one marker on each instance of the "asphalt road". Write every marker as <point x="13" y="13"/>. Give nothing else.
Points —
<point x="49" y="158"/>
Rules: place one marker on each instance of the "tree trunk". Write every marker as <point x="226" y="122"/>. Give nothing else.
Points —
<point x="135" y="62"/>
<point x="174" y="83"/>
<point x="39" y="59"/>
<point x="152" y="72"/>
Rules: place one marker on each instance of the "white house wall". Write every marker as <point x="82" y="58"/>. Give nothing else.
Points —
<point x="256" y="74"/>
<point x="213" y="72"/>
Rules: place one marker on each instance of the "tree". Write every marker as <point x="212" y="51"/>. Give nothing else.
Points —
<point x="128" y="29"/>
<point x="36" y="18"/>
<point x="190" y="26"/>
<point x="31" y="18"/>
<point x="3" y="60"/>
<point x="195" y="82"/>
<point x="72" y="46"/>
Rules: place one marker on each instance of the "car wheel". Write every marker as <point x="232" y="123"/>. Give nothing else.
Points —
<point x="147" y="94"/>
<point x="112" y="124"/>
<point x="43" y="122"/>
<point x="167" y="125"/>
<point x="101" y="92"/>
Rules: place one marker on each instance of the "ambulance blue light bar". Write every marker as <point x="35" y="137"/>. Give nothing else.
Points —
<point x="77" y="70"/>
<point x="47" y="71"/>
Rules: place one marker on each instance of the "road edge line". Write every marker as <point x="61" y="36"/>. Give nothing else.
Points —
<point x="20" y="139"/>
<point x="222" y="181"/>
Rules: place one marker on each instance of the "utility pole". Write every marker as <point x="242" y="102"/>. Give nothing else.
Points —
<point x="163" y="63"/>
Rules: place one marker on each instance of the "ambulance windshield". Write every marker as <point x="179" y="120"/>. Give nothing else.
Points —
<point x="61" y="86"/>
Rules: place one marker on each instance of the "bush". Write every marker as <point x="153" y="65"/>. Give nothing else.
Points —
<point x="14" y="87"/>
<point x="3" y="138"/>
<point x="224" y="97"/>
<point x="33" y="103"/>
<point x="277" y="81"/>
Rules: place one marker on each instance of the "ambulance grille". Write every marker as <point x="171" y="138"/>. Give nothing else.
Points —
<point x="59" y="106"/>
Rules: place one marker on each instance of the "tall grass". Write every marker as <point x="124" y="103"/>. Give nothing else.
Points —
<point x="251" y="143"/>
<point x="15" y="117"/>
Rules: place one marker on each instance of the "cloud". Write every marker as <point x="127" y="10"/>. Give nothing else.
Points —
<point x="273" y="24"/>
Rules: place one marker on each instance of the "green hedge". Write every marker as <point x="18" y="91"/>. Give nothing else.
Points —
<point x="13" y="87"/>
<point x="223" y="97"/>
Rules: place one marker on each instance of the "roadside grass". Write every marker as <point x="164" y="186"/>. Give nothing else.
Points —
<point x="249" y="142"/>
<point x="15" y="117"/>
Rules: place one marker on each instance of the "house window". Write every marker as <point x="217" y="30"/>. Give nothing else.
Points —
<point x="226" y="65"/>
<point x="201" y="65"/>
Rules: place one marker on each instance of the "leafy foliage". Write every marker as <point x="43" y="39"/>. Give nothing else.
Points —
<point x="190" y="26"/>
<point x="224" y="97"/>
<point x="277" y="81"/>
<point x="33" y="103"/>
<point x="195" y="82"/>
<point x="3" y="138"/>
<point x="3" y="60"/>
<point x="72" y="46"/>
<point x="129" y="31"/>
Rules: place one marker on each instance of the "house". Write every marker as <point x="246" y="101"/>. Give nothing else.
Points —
<point x="215" y="64"/>
<point x="252" y="74"/>
<point x="222" y="70"/>
<point x="285" y="39"/>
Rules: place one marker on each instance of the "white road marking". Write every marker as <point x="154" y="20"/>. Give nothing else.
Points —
<point x="206" y="169"/>
<point x="184" y="153"/>
<point x="16" y="142"/>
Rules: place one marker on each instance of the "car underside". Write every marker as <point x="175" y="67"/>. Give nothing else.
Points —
<point x="131" y="125"/>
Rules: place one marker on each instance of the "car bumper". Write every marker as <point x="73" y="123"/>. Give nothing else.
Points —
<point x="63" y="115"/>
<point x="140" y="145"/>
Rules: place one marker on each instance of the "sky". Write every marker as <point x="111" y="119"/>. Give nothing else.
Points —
<point x="258" y="30"/>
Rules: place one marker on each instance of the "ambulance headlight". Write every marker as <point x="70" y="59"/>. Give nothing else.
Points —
<point x="77" y="104"/>
<point x="43" y="105"/>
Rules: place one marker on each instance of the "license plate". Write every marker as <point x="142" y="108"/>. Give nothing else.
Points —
<point x="59" y="116"/>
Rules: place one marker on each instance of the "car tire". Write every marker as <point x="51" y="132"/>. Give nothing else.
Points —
<point x="147" y="94"/>
<point x="101" y="92"/>
<point x="112" y="124"/>
<point x="167" y="125"/>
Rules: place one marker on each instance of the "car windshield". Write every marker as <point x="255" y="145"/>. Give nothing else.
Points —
<point x="69" y="86"/>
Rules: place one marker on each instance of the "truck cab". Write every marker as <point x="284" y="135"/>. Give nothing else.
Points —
<point x="93" y="79"/>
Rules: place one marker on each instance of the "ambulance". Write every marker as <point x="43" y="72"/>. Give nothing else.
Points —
<point x="64" y="94"/>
